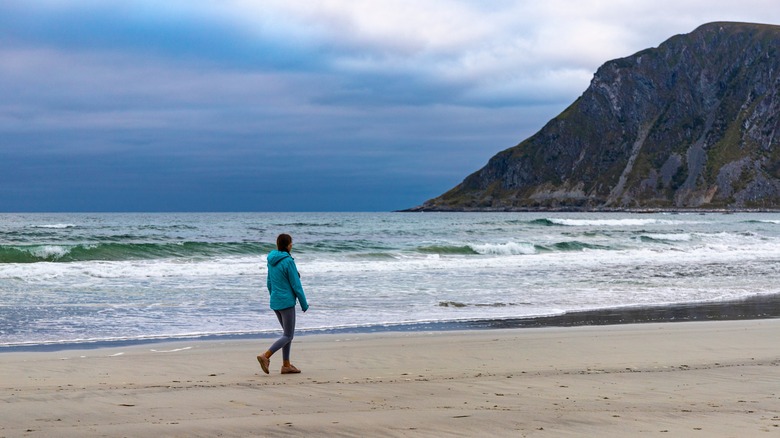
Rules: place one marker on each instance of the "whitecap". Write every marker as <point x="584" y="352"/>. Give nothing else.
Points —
<point x="608" y="222"/>
<point x="682" y="237"/>
<point x="50" y="251"/>
<point x="509" y="248"/>
<point x="54" y="226"/>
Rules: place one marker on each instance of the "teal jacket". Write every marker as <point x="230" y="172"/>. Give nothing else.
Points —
<point x="284" y="282"/>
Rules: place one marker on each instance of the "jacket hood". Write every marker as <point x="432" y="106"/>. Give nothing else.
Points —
<point x="276" y="256"/>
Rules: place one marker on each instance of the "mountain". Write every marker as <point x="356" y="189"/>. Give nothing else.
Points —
<point x="693" y="123"/>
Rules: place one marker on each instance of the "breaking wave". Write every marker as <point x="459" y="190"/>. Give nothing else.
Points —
<point x="123" y="251"/>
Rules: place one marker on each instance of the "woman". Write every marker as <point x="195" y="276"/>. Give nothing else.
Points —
<point x="284" y="285"/>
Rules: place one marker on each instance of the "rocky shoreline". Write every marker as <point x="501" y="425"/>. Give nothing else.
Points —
<point x="437" y="209"/>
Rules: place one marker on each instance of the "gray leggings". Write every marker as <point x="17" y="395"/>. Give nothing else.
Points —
<point x="287" y="320"/>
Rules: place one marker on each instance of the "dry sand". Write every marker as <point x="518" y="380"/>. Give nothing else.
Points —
<point x="701" y="379"/>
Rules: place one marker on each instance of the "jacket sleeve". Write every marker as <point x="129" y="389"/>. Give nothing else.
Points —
<point x="295" y="284"/>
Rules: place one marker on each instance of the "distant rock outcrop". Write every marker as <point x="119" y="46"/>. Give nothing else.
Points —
<point x="694" y="123"/>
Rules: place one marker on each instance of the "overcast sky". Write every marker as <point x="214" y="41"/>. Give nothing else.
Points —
<point x="340" y="105"/>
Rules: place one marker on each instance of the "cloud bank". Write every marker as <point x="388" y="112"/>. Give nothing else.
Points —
<point x="294" y="105"/>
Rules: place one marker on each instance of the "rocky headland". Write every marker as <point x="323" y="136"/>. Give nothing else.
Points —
<point x="693" y="124"/>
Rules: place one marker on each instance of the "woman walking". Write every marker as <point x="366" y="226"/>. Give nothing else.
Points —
<point x="284" y="285"/>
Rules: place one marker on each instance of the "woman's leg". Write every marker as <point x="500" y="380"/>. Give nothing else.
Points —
<point x="286" y="318"/>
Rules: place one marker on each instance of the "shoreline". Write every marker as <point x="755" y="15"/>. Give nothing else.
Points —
<point x="715" y="379"/>
<point x="647" y="210"/>
<point x="750" y="308"/>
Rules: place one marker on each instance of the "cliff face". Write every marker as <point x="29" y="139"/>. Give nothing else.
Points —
<point x="694" y="123"/>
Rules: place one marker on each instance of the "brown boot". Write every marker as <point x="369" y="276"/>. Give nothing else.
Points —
<point x="290" y="369"/>
<point x="264" y="362"/>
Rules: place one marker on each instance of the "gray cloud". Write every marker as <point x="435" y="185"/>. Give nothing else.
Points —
<point x="294" y="105"/>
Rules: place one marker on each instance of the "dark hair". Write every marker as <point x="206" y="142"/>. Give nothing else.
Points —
<point x="283" y="242"/>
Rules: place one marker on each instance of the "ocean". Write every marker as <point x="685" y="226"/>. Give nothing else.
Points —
<point x="75" y="279"/>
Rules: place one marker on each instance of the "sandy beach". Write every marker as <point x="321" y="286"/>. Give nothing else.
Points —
<point x="707" y="379"/>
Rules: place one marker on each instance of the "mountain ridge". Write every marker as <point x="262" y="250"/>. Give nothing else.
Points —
<point x="690" y="124"/>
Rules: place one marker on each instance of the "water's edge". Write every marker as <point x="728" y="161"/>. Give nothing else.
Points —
<point x="757" y="307"/>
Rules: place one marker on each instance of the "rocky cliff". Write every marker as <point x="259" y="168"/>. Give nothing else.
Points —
<point x="693" y="123"/>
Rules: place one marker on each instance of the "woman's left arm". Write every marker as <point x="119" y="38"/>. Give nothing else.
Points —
<point x="295" y="283"/>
